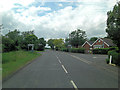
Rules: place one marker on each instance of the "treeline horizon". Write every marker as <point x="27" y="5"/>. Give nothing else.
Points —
<point x="16" y="40"/>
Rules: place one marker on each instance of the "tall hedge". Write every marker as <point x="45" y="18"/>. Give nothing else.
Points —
<point x="100" y="51"/>
<point x="115" y="57"/>
<point x="77" y="50"/>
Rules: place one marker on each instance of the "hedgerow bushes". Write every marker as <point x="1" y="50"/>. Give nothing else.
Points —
<point x="77" y="50"/>
<point x="100" y="51"/>
<point x="115" y="57"/>
<point x="74" y="50"/>
<point x="64" y="49"/>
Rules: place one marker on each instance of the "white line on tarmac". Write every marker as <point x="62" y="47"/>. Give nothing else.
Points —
<point x="64" y="69"/>
<point x="59" y="61"/>
<point x="57" y="57"/>
<point x="83" y="60"/>
<point x="74" y="85"/>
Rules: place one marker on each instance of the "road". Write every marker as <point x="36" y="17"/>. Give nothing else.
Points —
<point x="55" y="69"/>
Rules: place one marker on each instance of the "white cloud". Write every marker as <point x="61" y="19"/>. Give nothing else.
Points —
<point x="6" y="5"/>
<point x="58" y="24"/>
<point x="60" y="5"/>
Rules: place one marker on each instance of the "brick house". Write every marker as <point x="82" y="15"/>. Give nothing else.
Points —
<point x="88" y="46"/>
<point x="99" y="43"/>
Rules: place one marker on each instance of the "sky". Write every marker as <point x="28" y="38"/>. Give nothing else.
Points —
<point x="55" y="18"/>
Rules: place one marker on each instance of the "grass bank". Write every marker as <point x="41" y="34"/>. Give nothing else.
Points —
<point x="12" y="61"/>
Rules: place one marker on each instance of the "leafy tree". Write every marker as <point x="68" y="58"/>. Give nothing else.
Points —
<point x="67" y="42"/>
<point x="50" y="43"/>
<point x="41" y="44"/>
<point x="7" y="44"/>
<point x="58" y="43"/>
<point x="113" y="25"/>
<point x="77" y="37"/>
<point x="15" y="36"/>
<point x="93" y="38"/>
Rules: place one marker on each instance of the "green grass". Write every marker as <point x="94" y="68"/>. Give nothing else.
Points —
<point x="12" y="61"/>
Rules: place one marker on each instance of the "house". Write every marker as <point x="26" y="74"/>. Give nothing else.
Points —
<point x="88" y="46"/>
<point x="99" y="43"/>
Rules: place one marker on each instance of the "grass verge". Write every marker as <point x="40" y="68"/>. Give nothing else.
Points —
<point x="12" y="61"/>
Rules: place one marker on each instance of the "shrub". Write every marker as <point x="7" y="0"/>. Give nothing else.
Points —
<point x="107" y="61"/>
<point x="100" y="51"/>
<point x="113" y="48"/>
<point x="77" y="50"/>
<point x="115" y="57"/>
<point x="65" y="49"/>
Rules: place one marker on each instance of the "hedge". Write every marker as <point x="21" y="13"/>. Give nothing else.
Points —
<point x="100" y="51"/>
<point x="64" y="49"/>
<point x="74" y="50"/>
<point x="115" y="57"/>
<point x="77" y="50"/>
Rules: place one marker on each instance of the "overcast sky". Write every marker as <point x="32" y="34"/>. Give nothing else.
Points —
<point x="56" y="18"/>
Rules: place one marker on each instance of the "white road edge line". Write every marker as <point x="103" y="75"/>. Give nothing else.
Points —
<point x="64" y="69"/>
<point x="74" y="85"/>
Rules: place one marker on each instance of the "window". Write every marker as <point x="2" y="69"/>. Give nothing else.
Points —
<point x="99" y="41"/>
<point x="97" y="46"/>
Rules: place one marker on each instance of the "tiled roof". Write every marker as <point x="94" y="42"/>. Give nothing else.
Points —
<point x="108" y="41"/>
<point x="90" y="42"/>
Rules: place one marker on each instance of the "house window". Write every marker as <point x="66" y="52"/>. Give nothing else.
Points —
<point x="97" y="46"/>
<point x="99" y="41"/>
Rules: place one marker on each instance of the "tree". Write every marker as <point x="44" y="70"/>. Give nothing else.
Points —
<point x="7" y="44"/>
<point x="50" y="43"/>
<point x="58" y="43"/>
<point x="77" y="37"/>
<point x="67" y="42"/>
<point x="41" y="44"/>
<point x="113" y="24"/>
<point x="93" y="38"/>
<point x="15" y="36"/>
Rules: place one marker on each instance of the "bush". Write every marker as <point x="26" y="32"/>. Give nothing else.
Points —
<point x="64" y="49"/>
<point x="115" y="57"/>
<point x="107" y="61"/>
<point x="100" y="51"/>
<point x="113" y="48"/>
<point x="77" y="50"/>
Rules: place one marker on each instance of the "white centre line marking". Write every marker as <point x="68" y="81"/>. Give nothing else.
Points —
<point x="59" y="61"/>
<point x="64" y="69"/>
<point x="74" y="85"/>
<point x="57" y="57"/>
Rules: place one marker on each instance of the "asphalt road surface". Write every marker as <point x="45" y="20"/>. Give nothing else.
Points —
<point x="55" y="69"/>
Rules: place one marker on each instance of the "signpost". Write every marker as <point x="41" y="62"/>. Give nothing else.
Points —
<point x="29" y="45"/>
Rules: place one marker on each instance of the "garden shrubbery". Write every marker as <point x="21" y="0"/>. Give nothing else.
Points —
<point x="115" y="57"/>
<point x="100" y="51"/>
<point x="64" y="49"/>
<point x="74" y="50"/>
<point x="77" y="50"/>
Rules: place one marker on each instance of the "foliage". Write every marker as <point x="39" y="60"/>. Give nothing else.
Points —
<point x="16" y="40"/>
<point x="64" y="49"/>
<point x="67" y="42"/>
<point x="77" y="50"/>
<point x="100" y="51"/>
<point x="7" y="44"/>
<point x="77" y="38"/>
<point x="57" y="43"/>
<point x="115" y="57"/>
<point x="93" y="38"/>
<point x="50" y="43"/>
<point x="113" y="25"/>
